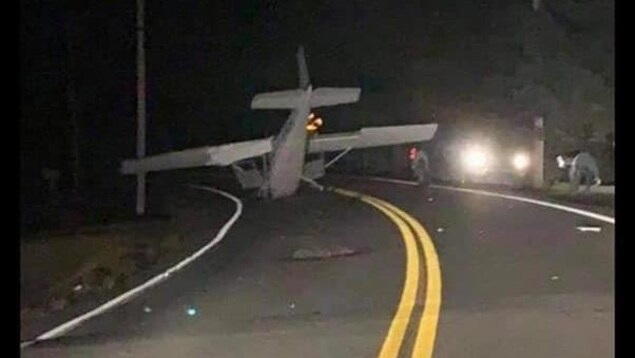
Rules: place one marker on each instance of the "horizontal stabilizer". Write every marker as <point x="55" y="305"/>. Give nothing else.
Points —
<point x="222" y="155"/>
<point x="290" y="99"/>
<point x="277" y="100"/>
<point x="329" y="96"/>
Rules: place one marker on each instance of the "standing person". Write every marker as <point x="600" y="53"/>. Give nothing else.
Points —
<point x="419" y="166"/>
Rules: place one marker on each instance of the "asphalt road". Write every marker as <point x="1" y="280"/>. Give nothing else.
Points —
<point x="518" y="281"/>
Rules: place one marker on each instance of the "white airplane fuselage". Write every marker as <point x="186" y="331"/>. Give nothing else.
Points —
<point x="289" y="151"/>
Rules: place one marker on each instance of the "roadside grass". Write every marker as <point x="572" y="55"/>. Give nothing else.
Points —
<point x="562" y="192"/>
<point x="59" y="270"/>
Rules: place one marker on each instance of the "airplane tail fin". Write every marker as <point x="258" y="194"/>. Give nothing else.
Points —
<point x="303" y="70"/>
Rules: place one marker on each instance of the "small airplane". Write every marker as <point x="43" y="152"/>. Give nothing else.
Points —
<point x="284" y="156"/>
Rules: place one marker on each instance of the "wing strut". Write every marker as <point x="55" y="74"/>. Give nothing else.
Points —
<point x="338" y="157"/>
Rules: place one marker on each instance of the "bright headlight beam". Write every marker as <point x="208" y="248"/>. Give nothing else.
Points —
<point x="475" y="159"/>
<point x="520" y="161"/>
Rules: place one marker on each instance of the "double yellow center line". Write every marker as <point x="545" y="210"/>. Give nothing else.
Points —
<point x="411" y="232"/>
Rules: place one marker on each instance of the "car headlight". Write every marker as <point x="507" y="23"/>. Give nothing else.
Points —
<point x="475" y="159"/>
<point x="521" y="161"/>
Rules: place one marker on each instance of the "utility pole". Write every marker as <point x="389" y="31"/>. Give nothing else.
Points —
<point x="73" y="106"/>
<point x="141" y="106"/>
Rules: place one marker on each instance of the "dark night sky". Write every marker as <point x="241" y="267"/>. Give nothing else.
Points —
<point x="416" y="61"/>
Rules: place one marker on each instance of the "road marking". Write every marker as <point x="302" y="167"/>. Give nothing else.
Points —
<point x="589" y="214"/>
<point x="126" y="296"/>
<point x="427" y="328"/>
<point x="586" y="213"/>
<point x="394" y="339"/>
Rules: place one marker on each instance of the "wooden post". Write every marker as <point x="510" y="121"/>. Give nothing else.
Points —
<point x="539" y="153"/>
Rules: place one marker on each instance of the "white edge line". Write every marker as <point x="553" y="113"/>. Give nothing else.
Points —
<point x="590" y="214"/>
<point x="69" y="325"/>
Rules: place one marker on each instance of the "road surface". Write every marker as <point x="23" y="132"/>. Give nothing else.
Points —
<point x="518" y="280"/>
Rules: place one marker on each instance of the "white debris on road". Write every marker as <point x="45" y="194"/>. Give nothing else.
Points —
<point x="314" y="254"/>
<point x="191" y="311"/>
<point x="589" y="228"/>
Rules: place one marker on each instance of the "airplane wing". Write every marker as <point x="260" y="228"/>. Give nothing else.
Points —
<point x="221" y="155"/>
<point x="372" y="137"/>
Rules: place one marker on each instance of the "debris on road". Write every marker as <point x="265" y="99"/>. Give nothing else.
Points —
<point x="147" y="309"/>
<point x="321" y="254"/>
<point x="191" y="311"/>
<point x="555" y="278"/>
<point x="588" y="228"/>
<point x="303" y="254"/>
<point x="78" y="288"/>
<point x="440" y="229"/>
<point x="430" y="199"/>
<point x="292" y="306"/>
